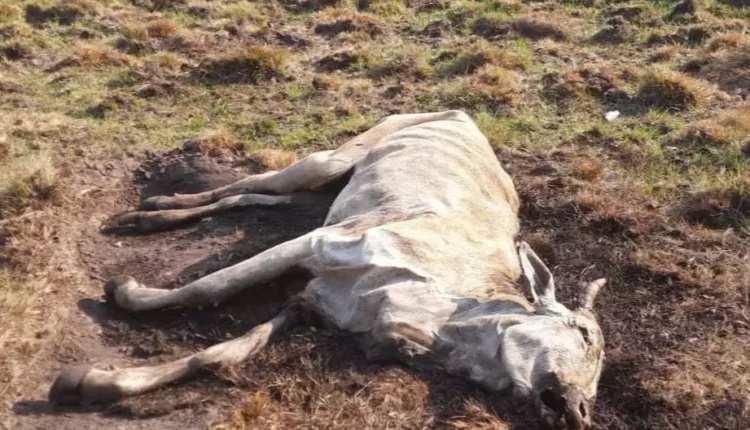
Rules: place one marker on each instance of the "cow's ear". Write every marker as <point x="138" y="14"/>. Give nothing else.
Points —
<point x="538" y="275"/>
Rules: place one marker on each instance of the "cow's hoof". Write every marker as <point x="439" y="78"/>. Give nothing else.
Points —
<point x="155" y="203"/>
<point x="66" y="390"/>
<point x="124" y="219"/>
<point x="116" y="283"/>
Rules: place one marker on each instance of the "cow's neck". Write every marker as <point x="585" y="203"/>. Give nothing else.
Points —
<point x="470" y="343"/>
<point x="466" y="344"/>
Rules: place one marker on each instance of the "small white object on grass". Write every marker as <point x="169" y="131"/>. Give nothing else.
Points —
<point x="612" y="115"/>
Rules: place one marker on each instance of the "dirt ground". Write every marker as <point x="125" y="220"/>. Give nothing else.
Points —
<point x="312" y="379"/>
<point x="104" y="103"/>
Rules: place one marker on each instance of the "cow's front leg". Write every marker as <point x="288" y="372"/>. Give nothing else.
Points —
<point x="215" y="288"/>
<point x="84" y="384"/>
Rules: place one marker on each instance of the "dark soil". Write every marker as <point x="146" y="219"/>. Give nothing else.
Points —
<point x="302" y="377"/>
<point x="169" y="260"/>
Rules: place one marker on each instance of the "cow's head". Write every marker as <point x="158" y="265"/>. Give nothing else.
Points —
<point x="556" y="356"/>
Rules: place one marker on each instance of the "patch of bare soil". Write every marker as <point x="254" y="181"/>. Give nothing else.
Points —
<point x="166" y="260"/>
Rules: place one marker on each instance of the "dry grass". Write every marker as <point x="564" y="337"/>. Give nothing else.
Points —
<point x="161" y="28"/>
<point x="98" y="55"/>
<point x="22" y="324"/>
<point x="671" y="90"/>
<point x="719" y="209"/>
<point x="728" y="129"/>
<point x="247" y="413"/>
<point x="134" y="31"/>
<point x="242" y="12"/>
<point x="251" y="65"/>
<point x="387" y="8"/>
<point x="9" y="13"/>
<point x="664" y="53"/>
<point x="726" y="40"/>
<point x="29" y="181"/>
<point x="89" y="7"/>
<point x="724" y="62"/>
<point x="589" y="170"/>
<point x="216" y="143"/>
<point x="580" y="87"/>
<point x="409" y="62"/>
<point x="492" y="89"/>
<point x="338" y="21"/>
<point x="470" y="59"/>
<point x="536" y="27"/>
<point x="274" y="159"/>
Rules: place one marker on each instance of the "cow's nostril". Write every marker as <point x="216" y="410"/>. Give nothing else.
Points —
<point x="582" y="409"/>
<point x="552" y="401"/>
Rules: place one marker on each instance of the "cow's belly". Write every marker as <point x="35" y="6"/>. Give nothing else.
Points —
<point x="418" y="272"/>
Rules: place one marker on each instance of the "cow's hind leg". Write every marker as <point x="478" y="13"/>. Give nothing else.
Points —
<point x="311" y="172"/>
<point x="213" y="289"/>
<point x="83" y="384"/>
<point x="150" y="221"/>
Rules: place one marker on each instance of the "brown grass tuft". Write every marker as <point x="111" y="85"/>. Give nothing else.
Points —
<point x="386" y="8"/>
<point x="579" y="85"/>
<point x="90" y="7"/>
<point x="215" y="143"/>
<point x="729" y="128"/>
<point x="349" y="23"/>
<point x="161" y="28"/>
<point x="9" y="13"/>
<point x="274" y="159"/>
<point x="670" y="90"/>
<point x="25" y="182"/>
<point x="718" y="209"/>
<point x="242" y="13"/>
<point x="643" y="14"/>
<point x="725" y="61"/>
<point x="536" y="27"/>
<point x="347" y="60"/>
<point x="726" y="40"/>
<point x="589" y="170"/>
<point x="134" y="31"/>
<point x="492" y="88"/>
<point x="476" y="56"/>
<point x="97" y="55"/>
<point x="477" y="416"/>
<point x="664" y="53"/>
<point x="247" y="412"/>
<point x="245" y="65"/>
<point x="409" y="62"/>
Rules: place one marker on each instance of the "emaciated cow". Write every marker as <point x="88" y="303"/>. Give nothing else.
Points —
<point x="416" y="259"/>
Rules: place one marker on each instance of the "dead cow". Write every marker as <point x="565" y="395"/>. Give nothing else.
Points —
<point x="417" y="259"/>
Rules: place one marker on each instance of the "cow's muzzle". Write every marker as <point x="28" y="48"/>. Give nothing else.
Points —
<point x="565" y="410"/>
